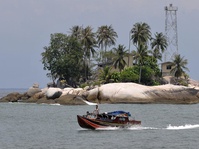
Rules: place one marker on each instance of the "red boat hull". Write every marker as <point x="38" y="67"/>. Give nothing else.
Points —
<point x="92" y="123"/>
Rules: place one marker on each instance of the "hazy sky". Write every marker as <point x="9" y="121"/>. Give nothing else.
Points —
<point x="26" y="26"/>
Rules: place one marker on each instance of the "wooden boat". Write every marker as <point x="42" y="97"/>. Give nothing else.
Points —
<point x="107" y="119"/>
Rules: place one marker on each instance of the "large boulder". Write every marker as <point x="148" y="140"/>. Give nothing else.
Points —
<point x="45" y="101"/>
<point x="135" y="93"/>
<point x="193" y="83"/>
<point x="53" y="93"/>
<point x="79" y="91"/>
<point x="11" y="97"/>
<point x="39" y="95"/>
<point x="174" y="94"/>
<point x="69" y="100"/>
<point x="72" y="91"/>
<point x="67" y="91"/>
<point x="33" y="90"/>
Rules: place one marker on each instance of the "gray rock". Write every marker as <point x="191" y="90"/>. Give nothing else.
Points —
<point x="136" y="93"/>
<point x="31" y="91"/>
<point x="53" y="93"/>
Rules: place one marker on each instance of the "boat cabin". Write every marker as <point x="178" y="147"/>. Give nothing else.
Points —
<point x="114" y="117"/>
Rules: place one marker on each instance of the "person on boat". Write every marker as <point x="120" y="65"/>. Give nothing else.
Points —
<point x="88" y="115"/>
<point x="96" y="111"/>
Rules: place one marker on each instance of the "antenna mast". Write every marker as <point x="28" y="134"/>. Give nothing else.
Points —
<point x="171" y="32"/>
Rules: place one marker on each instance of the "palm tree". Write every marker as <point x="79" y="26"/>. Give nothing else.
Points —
<point x="120" y="53"/>
<point x="86" y="37"/>
<point x="159" y="43"/>
<point x="139" y="57"/>
<point x="89" y="43"/>
<point x="105" y="74"/>
<point x="155" y="53"/>
<point x="76" y="31"/>
<point x="106" y="37"/>
<point x="179" y="65"/>
<point x="140" y="34"/>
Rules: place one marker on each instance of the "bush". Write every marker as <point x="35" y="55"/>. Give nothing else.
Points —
<point x="129" y="74"/>
<point x="115" y="77"/>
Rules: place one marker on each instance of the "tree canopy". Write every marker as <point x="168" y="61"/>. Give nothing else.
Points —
<point x="63" y="58"/>
<point x="179" y="65"/>
<point x="120" y="53"/>
<point x="76" y="57"/>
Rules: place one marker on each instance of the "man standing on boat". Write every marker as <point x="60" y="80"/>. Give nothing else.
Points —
<point x="96" y="111"/>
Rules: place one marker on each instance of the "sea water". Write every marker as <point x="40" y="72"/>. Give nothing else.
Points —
<point x="42" y="126"/>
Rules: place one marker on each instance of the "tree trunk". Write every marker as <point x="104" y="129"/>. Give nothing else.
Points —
<point x="140" y="74"/>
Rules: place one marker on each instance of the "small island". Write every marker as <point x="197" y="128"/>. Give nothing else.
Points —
<point x="88" y="70"/>
<point x="112" y="93"/>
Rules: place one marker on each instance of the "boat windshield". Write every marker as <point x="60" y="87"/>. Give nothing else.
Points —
<point x="115" y="113"/>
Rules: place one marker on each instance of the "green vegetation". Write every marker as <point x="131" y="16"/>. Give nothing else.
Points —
<point x="119" y="61"/>
<point x="179" y="64"/>
<point x="106" y="37"/>
<point x="63" y="58"/>
<point x="84" y="57"/>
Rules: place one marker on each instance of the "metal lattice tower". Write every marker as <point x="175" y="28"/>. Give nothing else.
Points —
<point x="171" y="32"/>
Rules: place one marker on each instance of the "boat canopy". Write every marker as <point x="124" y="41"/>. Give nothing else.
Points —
<point x="115" y="113"/>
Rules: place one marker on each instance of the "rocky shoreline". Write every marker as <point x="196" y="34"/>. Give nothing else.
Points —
<point x="112" y="93"/>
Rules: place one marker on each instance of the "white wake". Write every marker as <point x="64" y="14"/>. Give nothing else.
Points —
<point x="169" y="127"/>
<point x="87" y="102"/>
<point x="187" y="126"/>
<point x="128" y="128"/>
<point x="139" y="127"/>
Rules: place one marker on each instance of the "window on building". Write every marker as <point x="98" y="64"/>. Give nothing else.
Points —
<point x="168" y="66"/>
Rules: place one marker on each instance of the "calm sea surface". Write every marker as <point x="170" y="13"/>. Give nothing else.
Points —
<point x="41" y="126"/>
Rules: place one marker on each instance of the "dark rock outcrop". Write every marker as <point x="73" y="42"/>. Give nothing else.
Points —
<point x="12" y="97"/>
<point x="69" y="100"/>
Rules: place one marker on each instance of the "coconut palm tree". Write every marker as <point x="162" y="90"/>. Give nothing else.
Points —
<point x="179" y="65"/>
<point x="140" y="34"/>
<point x="105" y="74"/>
<point x="76" y="31"/>
<point x="89" y="43"/>
<point x="86" y="37"/>
<point x="158" y="45"/>
<point x="120" y="53"/>
<point x="139" y="57"/>
<point x="106" y="37"/>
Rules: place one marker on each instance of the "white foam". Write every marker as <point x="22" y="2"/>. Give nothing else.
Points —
<point x="55" y="104"/>
<point x="187" y="126"/>
<point x="142" y="128"/>
<point x="108" y="128"/>
<point x="169" y="127"/>
<point x="87" y="102"/>
<point x="51" y="104"/>
<point x="135" y="127"/>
